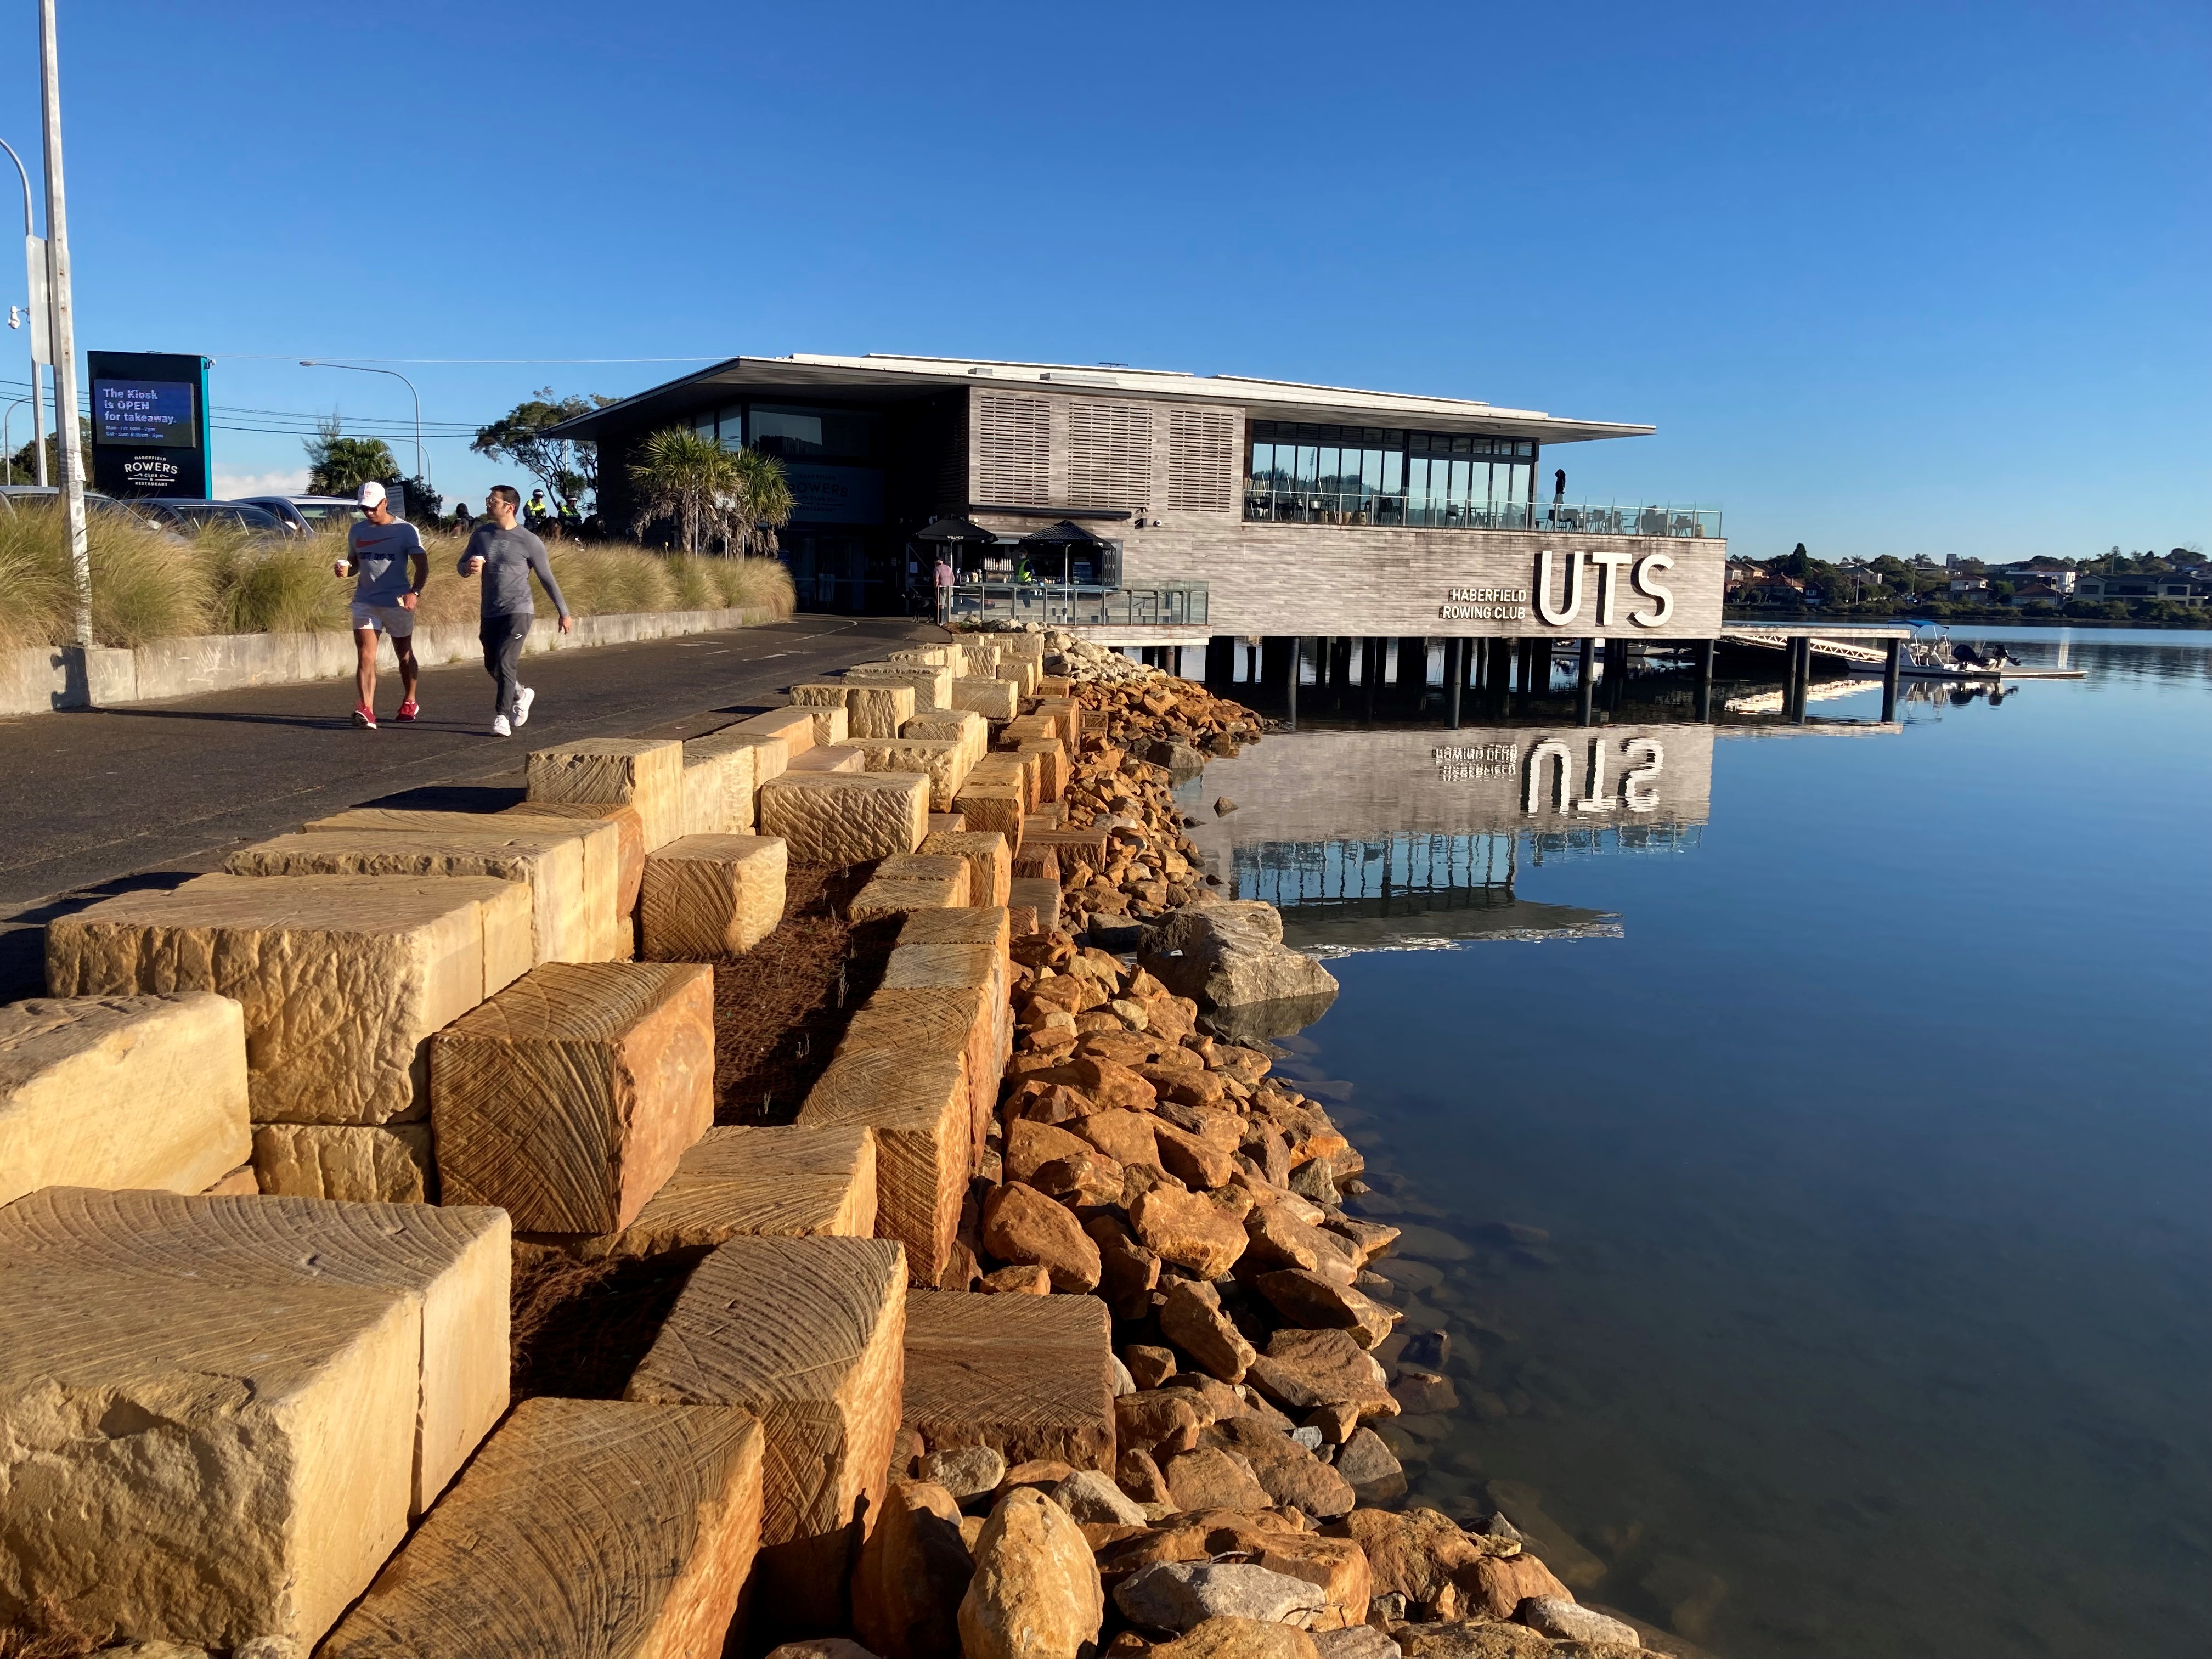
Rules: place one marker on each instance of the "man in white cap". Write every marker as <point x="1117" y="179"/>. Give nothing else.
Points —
<point x="389" y="564"/>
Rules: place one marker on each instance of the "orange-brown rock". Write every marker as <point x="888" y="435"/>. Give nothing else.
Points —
<point x="1127" y="1270"/>
<point x="1162" y="1422"/>
<point x="1191" y="1319"/>
<point x="1125" y="1137"/>
<point x="1016" y="1281"/>
<point x="1022" y="1226"/>
<point x="1420" y="1554"/>
<point x="1317" y="1304"/>
<point x="1303" y="1371"/>
<point x="1279" y="1239"/>
<point x="1196" y="1161"/>
<point x="1035" y="1593"/>
<point x="1496" y="1585"/>
<point x="1211" y="1478"/>
<point x="913" y="1571"/>
<point x="1339" y="1566"/>
<point x="1189" y="1231"/>
<point x="1030" y="1143"/>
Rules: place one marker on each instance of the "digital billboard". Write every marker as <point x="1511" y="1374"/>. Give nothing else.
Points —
<point x="149" y="434"/>
<point x="144" y="412"/>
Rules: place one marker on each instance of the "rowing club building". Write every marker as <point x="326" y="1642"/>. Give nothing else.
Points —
<point x="1157" y="509"/>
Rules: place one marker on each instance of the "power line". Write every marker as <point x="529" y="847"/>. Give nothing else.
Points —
<point x="280" y="356"/>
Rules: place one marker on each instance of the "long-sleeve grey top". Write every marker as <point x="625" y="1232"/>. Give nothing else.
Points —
<point x="510" y="556"/>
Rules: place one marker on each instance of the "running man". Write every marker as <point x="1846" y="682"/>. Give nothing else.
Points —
<point x="506" y="556"/>
<point x="390" y="567"/>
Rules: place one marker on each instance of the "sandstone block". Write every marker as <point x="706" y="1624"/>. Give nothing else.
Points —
<point x="946" y="822"/>
<point x="1039" y="895"/>
<point x="836" y="757"/>
<point x="620" y="879"/>
<point x="567" y="1099"/>
<point x="805" y="1333"/>
<point x="993" y="806"/>
<point x="912" y="881"/>
<point x="720" y="777"/>
<point x="989" y="862"/>
<point x="933" y="686"/>
<point x="961" y="1022"/>
<point x="789" y="1183"/>
<point x="964" y="727"/>
<point x="1051" y="758"/>
<point x="825" y="703"/>
<point x="342" y="979"/>
<point x="993" y="699"/>
<point x="878" y="710"/>
<point x="547" y="862"/>
<point x="1022" y="674"/>
<point x="934" y="656"/>
<point x="227" y="1435"/>
<point x="646" y="773"/>
<point x="121" y="1091"/>
<point x="594" y="1527"/>
<point x="795" y="725"/>
<point x="836" y="818"/>
<point x="709" y="897"/>
<point x="391" y="1164"/>
<point x="976" y="659"/>
<point x="940" y="760"/>
<point x="919" y="1107"/>
<point x="1030" y="1377"/>
<point x="1035" y="1593"/>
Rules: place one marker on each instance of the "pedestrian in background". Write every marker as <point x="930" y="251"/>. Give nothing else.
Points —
<point x="463" y="521"/>
<point x="390" y="567"/>
<point x="506" y="555"/>
<point x="943" y="579"/>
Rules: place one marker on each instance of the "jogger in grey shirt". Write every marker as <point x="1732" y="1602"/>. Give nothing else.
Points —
<point x="507" y="556"/>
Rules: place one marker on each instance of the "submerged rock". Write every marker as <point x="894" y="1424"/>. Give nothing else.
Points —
<point x="1230" y="954"/>
<point x="1571" y="1623"/>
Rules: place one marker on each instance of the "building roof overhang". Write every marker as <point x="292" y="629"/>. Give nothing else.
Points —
<point x="884" y="378"/>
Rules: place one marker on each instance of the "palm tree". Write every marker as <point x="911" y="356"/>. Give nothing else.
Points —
<point x="709" y="491"/>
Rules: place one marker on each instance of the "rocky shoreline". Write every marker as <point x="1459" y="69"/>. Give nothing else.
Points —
<point x="1144" y="1153"/>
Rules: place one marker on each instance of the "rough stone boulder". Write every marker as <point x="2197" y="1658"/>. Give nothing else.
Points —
<point x="122" y="1092"/>
<point x="583" y="1527"/>
<point x="1189" y="1229"/>
<point x="1230" y="955"/>
<point x="913" y="1571"/>
<point x="1563" y="1619"/>
<point x="1035" y="1593"/>
<point x="1173" y="1596"/>
<point x="1372" y="1468"/>
<point x="1246" y="1638"/>
<point x="1304" y="1370"/>
<point x="1023" y="1227"/>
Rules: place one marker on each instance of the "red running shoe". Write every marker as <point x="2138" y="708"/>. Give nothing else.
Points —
<point x="408" y="710"/>
<point x="364" y="715"/>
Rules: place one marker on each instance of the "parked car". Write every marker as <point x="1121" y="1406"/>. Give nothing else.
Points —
<point x="304" y="515"/>
<point x="187" y="516"/>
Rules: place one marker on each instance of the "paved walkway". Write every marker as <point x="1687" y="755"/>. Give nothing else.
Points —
<point x="100" y="800"/>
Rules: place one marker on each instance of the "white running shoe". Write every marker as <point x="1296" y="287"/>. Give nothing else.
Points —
<point x="500" y="728"/>
<point x="522" y="706"/>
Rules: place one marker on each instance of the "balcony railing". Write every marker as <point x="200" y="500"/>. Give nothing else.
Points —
<point x="1264" y="505"/>
<point x="1057" y="605"/>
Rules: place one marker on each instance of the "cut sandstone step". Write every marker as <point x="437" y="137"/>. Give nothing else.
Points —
<point x="342" y="978"/>
<point x="227" y="1435"/>
<point x="1022" y="673"/>
<point x="834" y="818"/>
<point x="989" y="865"/>
<point x="940" y="760"/>
<point x="794" y="726"/>
<point x="1040" y="896"/>
<point x="392" y="1164"/>
<point x="919" y="1108"/>
<point x="122" y="1092"/>
<point x="970" y="731"/>
<point x="593" y="1528"/>
<point x="709" y="896"/>
<point x="824" y="698"/>
<point x="993" y="698"/>
<point x="985" y="931"/>
<point x="878" y="709"/>
<point x="1031" y="1376"/>
<point x="646" y="773"/>
<point x="788" y="1183"/>
<point x="806" y="1335"/>
<point x="548" y="863"/>
<point x="719" y="781"/>
<point x="907" y="882"/>
<point x="834" y="757"/>
<point x="933" y="687"/>
<point x="994" y="807"/>
<point x="567" y="1099"/>
<point x="1051" y="756"/>
<point x="939" y="1022"/>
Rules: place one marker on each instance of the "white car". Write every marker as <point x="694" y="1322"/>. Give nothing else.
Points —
<point x="304" y="515"/>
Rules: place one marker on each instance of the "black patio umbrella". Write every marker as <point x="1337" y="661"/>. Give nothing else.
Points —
<point x="1064" y="537"/>
<point x="954" y="530"/>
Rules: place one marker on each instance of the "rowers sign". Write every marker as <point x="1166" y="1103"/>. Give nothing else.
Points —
<point x="148" y="424"/>
<point x="1611" y="586"/>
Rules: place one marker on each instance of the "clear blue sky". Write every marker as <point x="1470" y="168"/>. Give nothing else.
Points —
<point x="1887" y="278"/>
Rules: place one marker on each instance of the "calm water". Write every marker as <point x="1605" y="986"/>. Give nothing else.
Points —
<point x="1862" y="1089"/>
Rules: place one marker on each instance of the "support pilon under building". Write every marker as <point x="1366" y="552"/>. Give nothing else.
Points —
<point x="1458" y="680"/>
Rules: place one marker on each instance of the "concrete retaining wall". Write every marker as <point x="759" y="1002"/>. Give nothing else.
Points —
<point x="39" y="681"/>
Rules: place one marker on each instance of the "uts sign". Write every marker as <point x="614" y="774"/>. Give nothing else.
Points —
<point x="1595" y="577"/>
<point x="148" y="424"/>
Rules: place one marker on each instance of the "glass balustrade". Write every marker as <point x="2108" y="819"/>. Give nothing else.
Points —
<point x="1405" y="510"/>
<point x="1057" y="605"/>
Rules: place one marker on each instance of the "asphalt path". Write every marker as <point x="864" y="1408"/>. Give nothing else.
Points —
<point x="97" y="801"/>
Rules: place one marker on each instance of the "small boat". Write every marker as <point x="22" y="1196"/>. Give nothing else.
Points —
<point x="1944" y="658"/>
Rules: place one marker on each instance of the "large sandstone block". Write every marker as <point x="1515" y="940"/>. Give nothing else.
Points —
<point x="805" y="1333"/>
<point x="720" y="777"/>
<point x="794" y="726"/>
<point x="834" y="818"/>
<point x="988" y="805"/>
<point x="833" y="758"/>
<point x="567" y="1099"/>
<point x="1011" y="766"/>
<point x="989" y="865"/>
<point x="933" y="687"/>
<point x="919" y="1109"/>
<point x="907" y="882"/>
<point x="832" y="725"/>
<point x="970" y="731"/>
<point x="1031" y="1376"/>
<point x="978" y="658"/>
<point x="878" y="709"/>
<point x="388" y="1164"/>
<point x="227" y="1435"/>
<point x="941" y="760"/>
<point x="646" y="773"/>
<point x="593" y="1528"/>
<point x="122" y="1092"/>
<point x="1040" y="896"/>
<point x="787" y="1182"/>
<point x="1051" y="768"/>
<point x="627" y="852"/>
<point x="993" y="698"/>
<point x="549" y="864"/>
<point x="933" y="656"/>
<point x="343" y="979"/>
<point x="945" y="1022"/>
<point x="709" y="897"/>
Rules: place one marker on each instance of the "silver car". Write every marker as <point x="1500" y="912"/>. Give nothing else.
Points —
<point x="304" y="515"/>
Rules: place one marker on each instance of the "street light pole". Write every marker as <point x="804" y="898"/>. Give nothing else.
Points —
<point x="7" y="437"/>
<point x="62" y="336"/>
<point x="38" y="418"/>
<point x="421" y="467"/>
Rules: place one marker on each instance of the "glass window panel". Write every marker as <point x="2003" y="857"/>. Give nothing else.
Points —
<point x="1524" y="449"/>
<point x="1394" y="470"/>
<point x="1309" y="464"/>
<point x="1371" y="471"/>
<point x="1516" y="486"/>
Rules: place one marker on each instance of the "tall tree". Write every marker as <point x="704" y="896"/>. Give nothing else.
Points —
<point x="763" y="505"/>
<point x="739" y="495"/>
<point x="338" y="466"/>
<point x="569" y="470"/>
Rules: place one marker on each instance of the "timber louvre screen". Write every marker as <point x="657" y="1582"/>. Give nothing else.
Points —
<point x="1015" y="463"/>
<point x="1109" y="455"/>
<point x="1202" y="461"/>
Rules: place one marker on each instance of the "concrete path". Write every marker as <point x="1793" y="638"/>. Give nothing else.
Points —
<point x="99" y="800"/>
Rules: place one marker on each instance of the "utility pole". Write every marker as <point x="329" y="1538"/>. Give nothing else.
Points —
<point x="61" y="335"/>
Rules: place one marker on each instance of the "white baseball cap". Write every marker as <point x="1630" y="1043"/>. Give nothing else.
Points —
<point x="371" y="494"/>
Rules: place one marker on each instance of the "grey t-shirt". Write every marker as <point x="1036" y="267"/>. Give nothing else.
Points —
<point x="381" y="553"/>
<point x="510" y="556"/>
